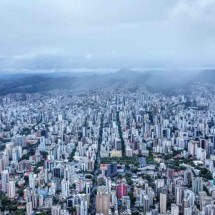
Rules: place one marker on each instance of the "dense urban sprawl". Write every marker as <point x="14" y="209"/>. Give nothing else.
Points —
<point x="108" y="152"/>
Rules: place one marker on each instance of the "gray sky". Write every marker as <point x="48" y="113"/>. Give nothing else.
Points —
<point x="63" y="34"/>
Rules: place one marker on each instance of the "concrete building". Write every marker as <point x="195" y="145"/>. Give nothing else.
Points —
<point x="102" y="201"/>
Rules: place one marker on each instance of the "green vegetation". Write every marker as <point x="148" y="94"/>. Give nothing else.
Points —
<point x="39" y="164"/>
<point x="73" y="186"/>
<point x="206" y="190"/>
<point x="150" y="158"/>
<point x="89" y="176"/>
<point x="205" y="173"/>
<point x="71" y="157"/>
<point x="20" y="192"/>
<point x="5" y="140"/>
<point x="43" y="213"/>
<point x="175" y="164"/>
<point x="20" y="212"/>
<point x="149" y="179"/>
<point x="175" y="152"/>
<point x="31" y="151"/>
<point x="44" y="154"/>
<point x="7" y="204"/>
<point x="132" y="197"/>
<point x="128" y="178"/>
<point x="25" y="131"/>
<point x="72" y="210"/>
<point x="121" y="160"/>
<point x="25" y="157"/>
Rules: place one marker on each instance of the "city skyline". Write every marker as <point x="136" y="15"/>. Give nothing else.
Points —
<point x="107" y="107"/>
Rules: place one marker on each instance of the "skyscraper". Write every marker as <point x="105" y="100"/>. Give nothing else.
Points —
<point x="197" y="185"/>
<point x="174" y="209"/>
<point x="163" y="201"/>
<point x="102" y="201"/>
<point x="145" y="203"/>
<point x="31" y="180"/>
<point x="179" y="191"/>
<point x="65" y="188"/>
<point x="121" y="190"/>
<point x="42" y="145"/>
<point x="4" y="180"/>
<point x="11" y="189"/>
<point x="55" y="210"/>
<point x="29" y="209"/>
<point x="188" y="211"/>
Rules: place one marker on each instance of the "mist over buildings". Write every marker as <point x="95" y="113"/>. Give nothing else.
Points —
<point x="53" y="35"/>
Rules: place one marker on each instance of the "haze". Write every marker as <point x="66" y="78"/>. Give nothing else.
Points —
<point x="61" y="35"/>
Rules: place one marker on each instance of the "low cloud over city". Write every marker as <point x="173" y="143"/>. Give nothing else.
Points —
<point x="53" y="34"/>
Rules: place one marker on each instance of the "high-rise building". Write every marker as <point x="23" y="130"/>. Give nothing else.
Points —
<point x="174" y="209"/>
<point x="11" y="189"/>
<point x="111" y="170"/>
<point x="146" y="203"/>
<point x="151" y="195"/>
<point x="126" y="202"/>
<point x="179" y="191"/>
<point x="65" y="188"/>
<point x="188" y="177"/>
<point x="42" y="145"/>
<point x="40" y="200"/>
<point x="31" y="180"/>
<point x="163" y="202"/>
<point x="4" y="180"/>
<point x="197" y="185"/>
<point x="102" y="201"/>
<point x="55" y="210"/>
<point x="67" y="174"/>
<point x="83" y="207"/>
<point x="213" y="210"/>
<point x="121" y="190"/>
<point x="188" y="211"/>
<point x="88" y="188"/>
<point x="29" y="209"/>
<point x="57" y="172"/>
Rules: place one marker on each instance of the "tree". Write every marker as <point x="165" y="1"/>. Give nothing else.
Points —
<point x="20" y="212"/>
<point x="73" y="186"/>
<point x="120" y="176"/>
<point x="20" y="192"/>
<point x="43" y="213"/>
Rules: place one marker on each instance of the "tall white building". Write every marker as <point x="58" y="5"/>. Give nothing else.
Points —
<point x="174" y="209"/>
<point x="4" y="180"/>
<point x="163" y="201"/>
<point x="65" y="188"/>
<point x="29" y="209"/>
<point x="197" y="185"/>
<point x="11" y="189"/>
<point x="188" y="211"/>
<point x="42" y="145"/>
<point x="55" y="210"/>
<point x="31" y="180"/>
<point x="41" y="200"/>
<point x="83" y="208"/>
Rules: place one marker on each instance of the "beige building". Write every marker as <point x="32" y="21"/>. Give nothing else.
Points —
<point x="102" y="200"/>
<point x="116" y="153"/>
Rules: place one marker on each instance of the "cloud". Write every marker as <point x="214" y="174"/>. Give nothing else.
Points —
<point x="46" y="34"/>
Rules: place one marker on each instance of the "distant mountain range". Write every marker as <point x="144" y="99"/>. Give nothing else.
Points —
<point x="154" y="81"/>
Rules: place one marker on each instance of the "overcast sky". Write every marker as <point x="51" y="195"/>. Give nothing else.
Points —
<point x="58" y="34"/>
